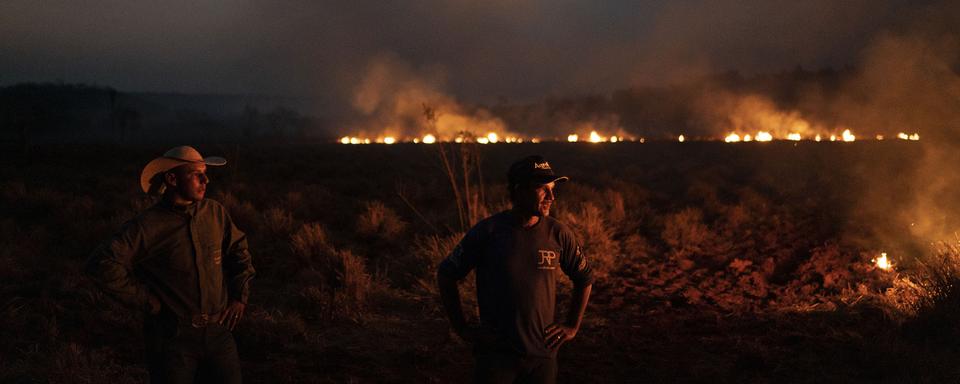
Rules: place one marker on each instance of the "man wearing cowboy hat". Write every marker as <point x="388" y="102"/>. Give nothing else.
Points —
<point x="518" y="255"/>
<point x="186" y="265"/>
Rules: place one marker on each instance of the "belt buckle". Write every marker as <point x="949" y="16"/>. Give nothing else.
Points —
<point x="200" y="321"/>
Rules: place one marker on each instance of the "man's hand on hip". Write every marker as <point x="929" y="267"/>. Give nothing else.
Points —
<point x="232" y="314"/>
<point x="557" y="334"/>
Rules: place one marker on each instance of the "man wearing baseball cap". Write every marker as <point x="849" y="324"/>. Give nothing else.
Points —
<point x="518" y="255"/>
<point x="185" y="264"/>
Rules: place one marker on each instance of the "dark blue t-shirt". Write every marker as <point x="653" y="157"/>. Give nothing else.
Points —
<point x="517" y="269"/>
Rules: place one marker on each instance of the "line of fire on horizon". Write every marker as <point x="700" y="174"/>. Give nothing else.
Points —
<point x="594" y="137"/>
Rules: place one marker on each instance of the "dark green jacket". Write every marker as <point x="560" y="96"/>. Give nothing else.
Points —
<point x="193" y="259"/>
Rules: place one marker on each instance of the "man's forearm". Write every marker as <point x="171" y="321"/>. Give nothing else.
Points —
<point x="114" y="278"/>
<point x="578" y="304"/>
<point x="240" y="271"/>
<point x="450" y="298"/>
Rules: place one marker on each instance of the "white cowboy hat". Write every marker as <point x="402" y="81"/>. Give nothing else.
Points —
<point x="174" y="158"/>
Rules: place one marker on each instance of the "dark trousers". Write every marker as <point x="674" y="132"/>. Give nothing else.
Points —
<point x="509" y="368"/>
<point x="177" y="352"/>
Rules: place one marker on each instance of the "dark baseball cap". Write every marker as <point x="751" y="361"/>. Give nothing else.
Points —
<point x="533" y="169"/>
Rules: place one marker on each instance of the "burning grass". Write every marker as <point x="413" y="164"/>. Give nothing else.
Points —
<point x="737" y="271"/>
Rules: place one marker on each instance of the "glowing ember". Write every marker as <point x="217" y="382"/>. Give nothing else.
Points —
<point x="847" y="136"/>
<point x="483" y="140"/>
<point x="614" y="139"/>
<point x="793" y="136"/>
<point x="573" y="138"/>
<point x="492" y="137"/>
<point x="346" y="140"/>
<point x="535" y="140"/>
<point x="915" y="137"/>
<point x="879" y="137"/>
<point x="833" y="137"/>
<point x="681" y="138"/>
<point x="763" y="136"/>
<point x="732" y="138"/>
<point x="883" y="262"/>
<point x="747" y="137"/>
<point x="817" y="139"/>
<point x="903" y="136"/>
<point x="389" y="140"/>
<point x="429" y="139"/>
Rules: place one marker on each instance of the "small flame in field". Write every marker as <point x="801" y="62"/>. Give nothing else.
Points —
<point x="595" y="137"/>
<point x="883" y="262"/>
<point x="904" y="136"/>
<point x="847" y="136"/>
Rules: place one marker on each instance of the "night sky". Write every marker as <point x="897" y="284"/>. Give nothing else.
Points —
<point x="479" y="51"/>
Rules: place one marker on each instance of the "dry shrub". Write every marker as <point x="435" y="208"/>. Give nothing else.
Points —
<point x="340" y="283"/>
<point x="591" y="226"/>
<point x="937" y="299"/>
<point x="354" y="280"/>
<point x="310" y="246"/>
<point x="428" y="252"/>
<point x="636" y="248"/>
<point x="243" y="213"/>
<point x="277" y="221"/>
<point x="380" y="220"/>
<point x="686" y="234"/>
<point x="615" y="210"/>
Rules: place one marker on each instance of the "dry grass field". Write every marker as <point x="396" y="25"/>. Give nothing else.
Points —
<point x="749" y="262"/>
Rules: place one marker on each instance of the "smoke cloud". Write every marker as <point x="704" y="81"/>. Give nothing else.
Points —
<point x="394" y="100"/>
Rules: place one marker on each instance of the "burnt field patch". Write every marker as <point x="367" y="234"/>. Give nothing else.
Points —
<point x="749" y="262"/>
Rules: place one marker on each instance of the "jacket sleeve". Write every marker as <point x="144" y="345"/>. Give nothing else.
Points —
<point x="573" y="262"/>
<point x="111" y="266"/>
<point x="237" y="263"/>
<point x="464" y="257"/>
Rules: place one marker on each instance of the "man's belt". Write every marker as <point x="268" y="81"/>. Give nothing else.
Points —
<point x="204" y="319"/>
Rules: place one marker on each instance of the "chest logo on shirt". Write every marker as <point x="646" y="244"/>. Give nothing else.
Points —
<point x="547" y="259"/>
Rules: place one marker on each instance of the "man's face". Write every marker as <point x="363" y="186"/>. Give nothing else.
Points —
<point x="535" y="199"/>
<point x="189" y="181"/>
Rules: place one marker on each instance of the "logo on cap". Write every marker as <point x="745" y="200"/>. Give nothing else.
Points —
<point x="543" y="165"/>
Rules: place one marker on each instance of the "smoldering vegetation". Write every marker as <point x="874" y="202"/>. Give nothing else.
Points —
<point x="751" y="262"/>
